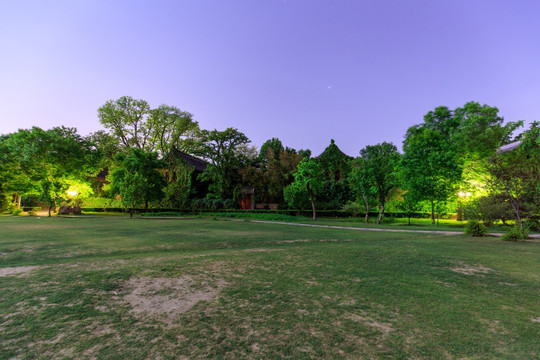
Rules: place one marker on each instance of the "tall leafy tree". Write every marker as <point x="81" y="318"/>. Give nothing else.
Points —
<point x="136" y="179"/>
<point x="461" y="141"/>
<point x="44" y="160"/>
<point x="224" y="151"/>
<point x="309" y="176"/>
<point x="135" y="125"/>
<point x="360" y="182"/>
<point x="273" y="172"/>
<point x="430" y="168"/>
<point x="379" y="169"/>
<point x="515" y="175"/>
<point x="271" y="148"/>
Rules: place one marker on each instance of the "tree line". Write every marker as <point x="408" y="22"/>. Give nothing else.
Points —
<point x="449" y="164"/>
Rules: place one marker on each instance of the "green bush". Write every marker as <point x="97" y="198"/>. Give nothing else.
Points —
<point x="490" y="209"/>
<point x="475" y="228"/>
<point x="515" y="233"/>
<point x="532" y="225"/>
<point x="34" y="211"/>
<point x="353" y="208"/>
<point x="5" y="204"/>
<point x="212" y="204"/>
<point x="16" y="212"/>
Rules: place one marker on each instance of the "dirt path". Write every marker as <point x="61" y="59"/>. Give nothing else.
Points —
<point x="442" y="232"/>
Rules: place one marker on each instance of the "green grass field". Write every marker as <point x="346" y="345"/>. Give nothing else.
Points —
<point x="120" y="288"/>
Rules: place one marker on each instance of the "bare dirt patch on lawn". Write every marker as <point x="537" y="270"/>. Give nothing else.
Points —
<point x="167" y="298"/>
<point x="262" y="250"/>
<point x="383" y="327"/>
<point x="471" y="270"/>
<point x="17" y="270"/>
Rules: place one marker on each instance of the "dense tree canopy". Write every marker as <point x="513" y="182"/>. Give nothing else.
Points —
<point x="379" y="170"/>
<point x="515" y="175"/>
<point x="449" y="162"/>
<point x="430" y="167"/>
<point x="223" y="150"/>
<point x="309" y="176"/>
<point x="137" y="180"/>
<point x="41" y="162"/>
<point x="135" y="125"/>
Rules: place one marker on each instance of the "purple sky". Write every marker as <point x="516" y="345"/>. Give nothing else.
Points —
<point x="360" y="72"/>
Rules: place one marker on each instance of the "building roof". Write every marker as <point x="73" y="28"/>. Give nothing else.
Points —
<point x="198" y="164"/>
<point x="332" y="151"/>
<point x="508" y="147"/>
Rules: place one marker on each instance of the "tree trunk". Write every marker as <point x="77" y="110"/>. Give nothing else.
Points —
<point x="18" y="201"/>
<point x="381" y="213"/>
<point x="50" y="209"/>
<point x="312" y="202"/>
<point x="432" y="213"/>
<point x="515" y="205"/>
<point x="367" y="207"/>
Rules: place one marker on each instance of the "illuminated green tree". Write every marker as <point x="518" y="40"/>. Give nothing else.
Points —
<point x="42" y="162"/>
<point x="429" y="165"/>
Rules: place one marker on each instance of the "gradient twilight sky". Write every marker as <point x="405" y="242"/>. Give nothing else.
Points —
<point x="360" y="72"/>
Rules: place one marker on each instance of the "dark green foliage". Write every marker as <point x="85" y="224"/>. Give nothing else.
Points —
<point x="515" y="175"/>
<point x="213" y="204"/>
<point x="335" y="164"/>
<point x="532" y="225"/>
<point x="271" y="176"/>
<point x="408" y="205"/>
<point x="42" y="162"/>
<point x="270" y="149"/>
<point x="136" y="179"/>
<point x="310" y="178"/>
<point x="478" y="130"/>
<point x="475" y="228"/>
<point x="430" y="167"/>
<point x="180" y="187"/>
<point x="135" y="125"/>
<point x="448" y="142"/>
<point x="516" y="233"/>
<point x="353" y="208"/>
<point x="378" y="172"/>
<point x="490" y="209"/>
<point x="296" y="197"/>
<point x="222" y="149"/>
<point x="305" y="154"/>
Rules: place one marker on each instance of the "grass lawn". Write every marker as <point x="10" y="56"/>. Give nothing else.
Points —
<point x="120" y="288"/>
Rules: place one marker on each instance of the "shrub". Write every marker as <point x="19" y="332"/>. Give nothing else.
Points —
<point x="5" y="204"/>
<point x="16" y="212"/>
<point x="34" y="210"/>
<point x="476" y="228"/>
<point x="212" y="204"/>
<point x="353" y="208"/>
<point x="515" y="233"/>
<point x="489" y="209"/>
<point x="532" y="225"/>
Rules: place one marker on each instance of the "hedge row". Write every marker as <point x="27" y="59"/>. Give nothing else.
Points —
<point x="308" y="213"/>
